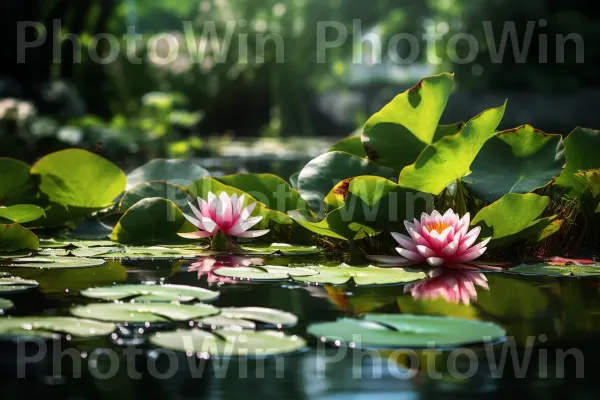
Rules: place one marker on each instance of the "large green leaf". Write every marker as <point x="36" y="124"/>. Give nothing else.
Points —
<point x="142" y="253"/>
<point x="279" y="249"/>
<point x="269" y="189"/>
<point x="591" y="180"/>
<point x="581" y="152"/>
<point x="144" y="312"/>
<point x="398" y="330"/>
<point x="13" y="284"/>
<point x="395" y="136"/>
<point x="53" y="327"/>
<point x="268" y="316"/>
<point x="147" y="293"/>
<point x="558" y="270"/>
<point x="21" y="213"/>
<point x="229" y="343"/>
<point x="79" y="178"/>
<point x="16" y="185"/>
<point x="177" y="172"/>
<point x="53" y="262"/>
<point x="177" y="194"/>
<point x="263" y="273"/>
<point x="201" y="187"/>
<point x="515" y="161"/>
<point x="15" y="237"/>
<point x="152" y="220"/>
<point x="321" y="174"/>
<point x="351" y="145"/>
<point x="513" y="214"/>
<point x="449" y="159"/>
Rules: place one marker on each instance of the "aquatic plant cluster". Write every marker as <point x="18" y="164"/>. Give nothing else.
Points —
<point x="445" y="194"/>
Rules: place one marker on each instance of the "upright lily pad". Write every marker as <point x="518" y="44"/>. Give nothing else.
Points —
<point x="405" y="330"/>
<point x="152" y="220"/>
<point x="513" y="214"/>
<point x="229" y="343"/>
<point x="10" y="284"/>
<point x="449" y="159"/>
<point x="591" y="179"/>
<point x="320" y="175"/>
<point x="351" y="145"/>
<point x="177" y="194"/>
<point x="79" y="178"/>
<point x="21" y="213"/>
<point x="151" y="293"/>
<point x="395" y="136"/>
<point x="53" y="327"/>
<point x="53" y="262"/>
<point x="177" y="172"/>
<point x="5" y="304"/>
<point x="515" y="161"/>
<point x="269" y="189"/>
<point x="16" y="185"/>
<point x="581" y="152"/>
<point x="15" y="237"/>
<point x="144" y="312"/>
<point x="558" y="270"/>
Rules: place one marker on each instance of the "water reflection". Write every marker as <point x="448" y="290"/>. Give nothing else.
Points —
<point x="206" y="265"/>
<point x="452" y="285"/>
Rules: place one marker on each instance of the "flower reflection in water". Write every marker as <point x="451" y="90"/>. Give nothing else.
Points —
<point x="206" y="266"/>
<point x="455" y="286"/>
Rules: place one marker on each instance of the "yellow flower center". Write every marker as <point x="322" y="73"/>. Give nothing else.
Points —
<point x="437" y="226"/>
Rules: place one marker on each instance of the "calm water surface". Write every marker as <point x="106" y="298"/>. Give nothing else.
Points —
<point x="551" y="351"/>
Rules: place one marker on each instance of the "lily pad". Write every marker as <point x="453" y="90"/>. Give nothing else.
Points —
<point x="148" y="293"/>
<point x="144" y="312"/>
<point x="15" y="237"/>
<point x="53" y="327"/>
<point x="229" y="343"/>
<point x="16" y="185"/>
<point x="351" y="145"/>
<point x="263" y="315"/>
<point x="10" y="284"/>
<point x="5" y="304"/>
<point x="152" y="220"/>
<point x="177" y="194"/>
<point x="263" y="273"/>
<point x="72" y="242"/>
<point x="79" y="178"/>
<point x="591" y="179"/>
<point x="405" y="330"/>
<point x="14" y="254"/>
<point x="53" y="262"/>
<point x="529" y="159"/>
<point x="558" y="270"/>
<point x="449" y="159"/>
<point x="177" y="172"/>
<point x="21" y="213"/>
<point x="395" y="136"/>
<point x="370" y="275"/>
<point x="282" y="249"/>
<point x="144" y="253"/>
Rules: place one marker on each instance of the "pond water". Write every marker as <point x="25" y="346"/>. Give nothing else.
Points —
<point x="551" y="348"/>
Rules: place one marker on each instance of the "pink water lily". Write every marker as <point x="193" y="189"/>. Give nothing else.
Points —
<point x="225" y="214"/>
<point x="451" y="285"/>
<point x="440" y="240"/>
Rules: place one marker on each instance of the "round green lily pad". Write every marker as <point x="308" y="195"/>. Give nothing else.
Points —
<point x="12" y="284"/>
<point x="399" y="330"/>
<point x="282" y="249"/>
<point x="54" y="262"/>
<point x="14" y="254"/>
<point x="146" y="253"/>
<point x="558" y="270"/>
<point x="53" y="327"/>
<point x="149" y="293"/>
<point x="229" y="343"/>
<point x="144" y="312"/>
<point x="263" y="273"/>
<point x="264" y="315"/>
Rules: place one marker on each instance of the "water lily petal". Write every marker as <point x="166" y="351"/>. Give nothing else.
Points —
<point x="404" y="241"/>
<point x="243" y="226"/>
<point x="425" y="251"/>
<point x="410" y="255"/>
<point x="435" y="261"/>
<point x="246" y="212"/>
<point x="194" y="235"/>
<point x="253" y="234"/>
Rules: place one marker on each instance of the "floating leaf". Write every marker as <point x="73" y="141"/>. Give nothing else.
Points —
<point x="508" y="217"/>
<point x="449" y="159"/>
<point x="79" y="178"/>
<point x="152" y="220"/>
<point x="263" y="273"/>
<point x="395" y="136"/>
<point x="146" y="293"/>
<point x="515" y="161"/>
<point x="282" y="249"/>
<point x="404" y="330"/>
<point x="143" y="253"/>
<point x="53" y="262"/>
<point x="343" y="274"/>
<point x="15" y="237"/>
<point x="229" y="343"/>
<point x="72" y="242"/>
<point x="177" y="194"/>
<point x="14" y="254"/>
<point x="10" y="284"/>
<point x="5" y="304"/>
<point x="581" y="152"/>
<point x="558" y="270"/>
<point x="53" y="327"/>
<point x="144" y="312"/>
<point x="21" y="213"/>
<point x="321" y="174"/>
<point x="16" y="185"/>
<point x="268" y="316"/>
<point x="351" y="145"/>
<point x="177" y="172"/>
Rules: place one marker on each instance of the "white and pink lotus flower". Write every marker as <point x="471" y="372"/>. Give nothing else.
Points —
<point x="439" y="240"/>
<point x="223" y="214"/>
<point x="454" y="286"/>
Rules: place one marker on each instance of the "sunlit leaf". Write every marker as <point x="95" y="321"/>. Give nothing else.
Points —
<point x="176" y="172"/>
<point x="53" y="327"/>
<point x="146" y="293"/>
<point x="144" y="312"/>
